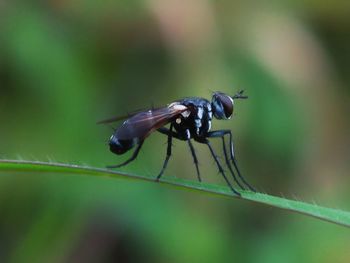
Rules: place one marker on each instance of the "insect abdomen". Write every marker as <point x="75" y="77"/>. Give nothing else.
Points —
<point x="118" y="146"/>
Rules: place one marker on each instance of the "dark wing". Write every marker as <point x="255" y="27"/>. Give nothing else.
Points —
<point x="119" y="118"/>
<point x="144" y="123"/>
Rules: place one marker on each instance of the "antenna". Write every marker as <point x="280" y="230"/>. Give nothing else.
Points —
<point x="239" y="95"/>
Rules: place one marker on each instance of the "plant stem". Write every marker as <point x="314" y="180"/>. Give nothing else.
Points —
<point x="327" y="214"/>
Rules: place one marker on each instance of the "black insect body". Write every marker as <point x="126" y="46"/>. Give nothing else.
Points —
<point x="189" y="118"/>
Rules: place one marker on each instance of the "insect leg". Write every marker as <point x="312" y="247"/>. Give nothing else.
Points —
<point x="166" y="131"/>
<point x="221" y="170"/>
<point x="168" y="152"/>
<point x="232" y="154"/>
<point x="133" y="157"/>
<point x="194" y="159"/>
<point x="221" y="134"/>
<point x="240" y="176"/>
<point x="233" y="158"/>
<point x="229" y="165"/>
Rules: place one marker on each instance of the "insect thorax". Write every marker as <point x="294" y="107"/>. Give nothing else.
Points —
<point x="197" y="121"/>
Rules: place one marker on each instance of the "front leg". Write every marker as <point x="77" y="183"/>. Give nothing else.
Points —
<point x="221" y="170"/>
<point x="221" y="134"/>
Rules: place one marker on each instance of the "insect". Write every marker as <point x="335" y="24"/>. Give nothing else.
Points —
<point x="189" y="118"/>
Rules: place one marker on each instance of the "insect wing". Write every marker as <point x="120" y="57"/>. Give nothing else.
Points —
<point x="144" y="123"/>
<point x="119" y="118"/>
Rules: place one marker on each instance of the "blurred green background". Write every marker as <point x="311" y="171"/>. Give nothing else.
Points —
<point x="64" y="65"/>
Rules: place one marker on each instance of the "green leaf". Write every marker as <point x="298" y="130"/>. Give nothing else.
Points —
<point x="327" y="214"/>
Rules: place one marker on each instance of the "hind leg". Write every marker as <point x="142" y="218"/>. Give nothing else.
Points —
<point x="133" y="157"/>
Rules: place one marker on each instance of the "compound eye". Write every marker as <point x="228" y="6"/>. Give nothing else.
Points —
<point x="227" y="103"/>
<point x="223" y="106"/>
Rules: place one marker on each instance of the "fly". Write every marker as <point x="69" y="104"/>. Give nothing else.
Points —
<point x="189" y="118"/>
